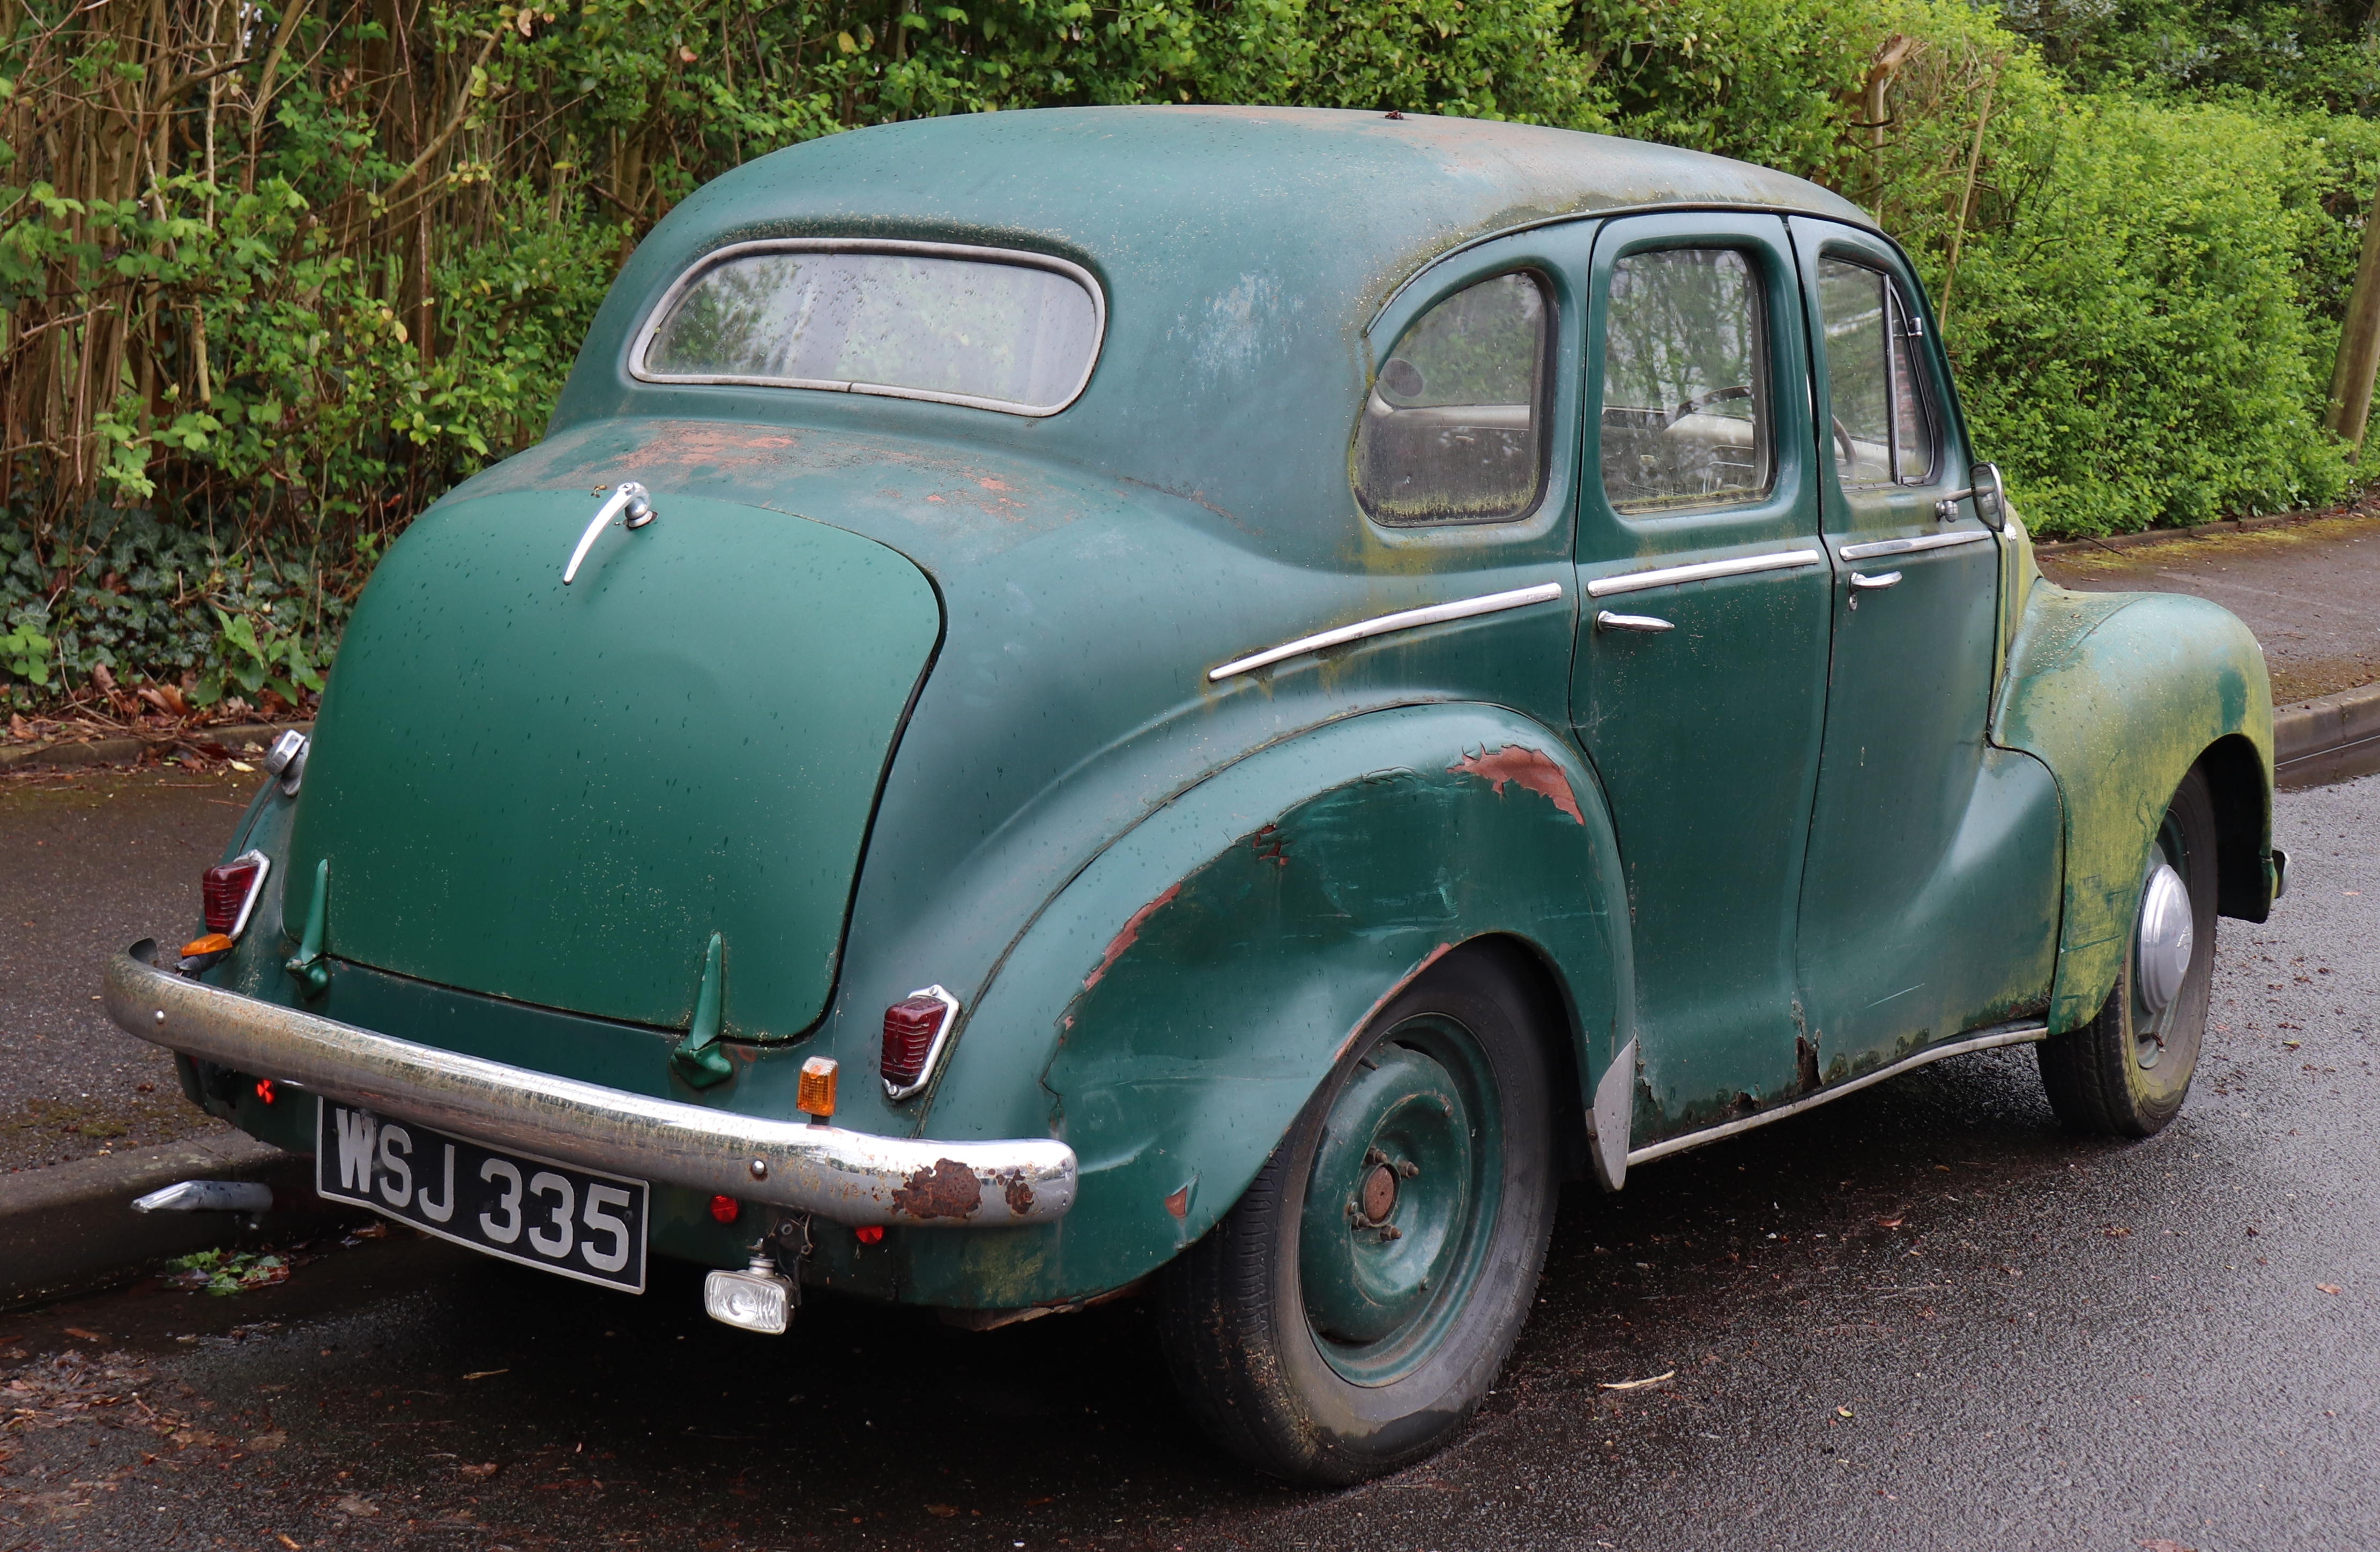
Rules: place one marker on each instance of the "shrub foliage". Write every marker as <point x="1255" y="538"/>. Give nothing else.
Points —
<point x="273" y="273"/>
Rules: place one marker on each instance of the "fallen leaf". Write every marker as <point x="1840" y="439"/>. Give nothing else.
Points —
<point x="286" y="1542"/>
<point x="2327" y="1287"/>
<point x="361" y="1507"/>
<point x="243" y="767"/>
<point x="87" y="1335"/>
<point x="1843" y="1411"/>
<point x="2117" y="1233"/>
<point x="486" y="1373"/>
<point x="1891" y="1222"/>
<point x="480" y="1474"/>
<point x="272" y="1438"/>
<point x="1636" y="1384"/>
<point x="942" y="1511"/>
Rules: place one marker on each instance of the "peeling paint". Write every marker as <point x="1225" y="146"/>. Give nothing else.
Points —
<point x="1129" y="936"/>
<point x="1526" y="768"/>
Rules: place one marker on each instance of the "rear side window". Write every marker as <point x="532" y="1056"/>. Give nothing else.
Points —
<point x="1001" y="330"/>
<point x="1454" y="427"/>
<point x="1686" y="419"/>
<point x="1880" y="432"/>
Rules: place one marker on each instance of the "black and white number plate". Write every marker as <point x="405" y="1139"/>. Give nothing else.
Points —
<point x="550" y="1215"/>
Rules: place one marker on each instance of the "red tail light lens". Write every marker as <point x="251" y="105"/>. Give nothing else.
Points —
<point x="725" y="1209"/>
<point x="913" y="1035"/>
<point x="229" y="892"/>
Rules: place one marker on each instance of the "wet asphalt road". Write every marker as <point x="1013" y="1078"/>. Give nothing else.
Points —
<point x="91" y="861"/>
<point x="1921" y="1318"/>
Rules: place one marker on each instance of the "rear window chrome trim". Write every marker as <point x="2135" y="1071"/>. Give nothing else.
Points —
<point x="1404" y="619"/>
<point x="1023" y="257"/>
<point x="1668" y="577"/>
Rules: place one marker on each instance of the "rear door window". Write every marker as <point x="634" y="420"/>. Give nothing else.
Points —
<point x="1452" y="430"/>
<point x="1686" y="423"/>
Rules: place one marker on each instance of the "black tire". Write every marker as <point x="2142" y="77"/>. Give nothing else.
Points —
<point x="2127" y="1072"/>
<point x="1297" y="1396"/>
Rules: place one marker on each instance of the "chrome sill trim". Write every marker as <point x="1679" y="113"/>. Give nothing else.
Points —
<point x="1909" y="546"/>
<point x="849" y="1177"/>
<point x="1404" y="619"/>
<point x="1669" y="576"/>
<point x="2017" y="1035"/>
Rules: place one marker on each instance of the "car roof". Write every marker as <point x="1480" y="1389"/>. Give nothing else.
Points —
<point x="1385" y="194"/>
<point x="1243" y="254"/>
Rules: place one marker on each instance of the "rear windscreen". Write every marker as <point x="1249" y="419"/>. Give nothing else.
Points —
<point x="915" y="323"/>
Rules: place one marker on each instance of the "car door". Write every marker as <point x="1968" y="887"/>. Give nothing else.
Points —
<point x="1698" y="682"/>
<point x="1929" y="899"/>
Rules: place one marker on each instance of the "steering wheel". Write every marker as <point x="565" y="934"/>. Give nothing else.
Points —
<point x="1846" y="451"/>
<point x="1700" y="401"/>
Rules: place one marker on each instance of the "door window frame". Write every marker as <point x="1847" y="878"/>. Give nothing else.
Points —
<point x="1896" y="502"/>
<point x="1785" y="510"/>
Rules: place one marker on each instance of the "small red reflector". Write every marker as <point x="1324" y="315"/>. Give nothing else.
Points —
<point x="869" y="1233"/>
<point x="910" y="1027"/>
<point x="725" y="1208"/>
<point x="225" y="888"/>
<point x="264" y="1090"/>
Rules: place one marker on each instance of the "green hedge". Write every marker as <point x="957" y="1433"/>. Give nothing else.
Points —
<point x="272" y="277"/>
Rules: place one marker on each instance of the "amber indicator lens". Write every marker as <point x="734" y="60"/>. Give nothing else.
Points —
<point x="816" y="1094"/>
<point x="909" y="1030"/>
<point x="225" y="888"/>
<point x="213" y="944"/>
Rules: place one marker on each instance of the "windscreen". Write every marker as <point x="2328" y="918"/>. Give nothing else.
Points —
<point x="1014" y="336"/>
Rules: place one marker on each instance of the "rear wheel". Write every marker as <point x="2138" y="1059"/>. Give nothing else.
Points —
<point x="1352" y="1310"/>
<point x="2127" y="1072"/>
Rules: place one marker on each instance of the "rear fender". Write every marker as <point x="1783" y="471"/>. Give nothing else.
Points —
<point x="1187" y="993"/>
<point x="2119" y="694"/>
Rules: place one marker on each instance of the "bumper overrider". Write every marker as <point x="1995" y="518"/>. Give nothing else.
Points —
<point x="845" y="1176"/>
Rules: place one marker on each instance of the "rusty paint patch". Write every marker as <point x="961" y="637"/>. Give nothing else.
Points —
<point x="1178" y="1203"/>
<point x="1128" y="937"/>
<point x="1017" y="1191"/>
<point x="1525" y="767"/>
<point x="948" y="1190"/>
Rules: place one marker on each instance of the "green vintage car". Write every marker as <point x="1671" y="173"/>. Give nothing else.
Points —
<point x="1211" y="701"/>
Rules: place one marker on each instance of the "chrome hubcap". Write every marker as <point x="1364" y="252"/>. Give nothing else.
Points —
<point x="2166" y="938"/>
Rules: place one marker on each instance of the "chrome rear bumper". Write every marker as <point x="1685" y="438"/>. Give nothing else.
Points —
<point x="849" y="1177"/>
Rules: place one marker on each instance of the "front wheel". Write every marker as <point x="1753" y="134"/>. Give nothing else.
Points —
<point x="1350" y="1313"/>
<point x="2127" y="1072"/>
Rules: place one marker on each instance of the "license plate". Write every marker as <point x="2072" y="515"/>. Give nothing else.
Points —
<point x="553" y="1216"/>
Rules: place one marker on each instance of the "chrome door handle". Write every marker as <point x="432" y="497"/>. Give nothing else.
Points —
<point x="628" y="495"/>
<point x="1606" y="620"/>
<point x="1870" y="584"/>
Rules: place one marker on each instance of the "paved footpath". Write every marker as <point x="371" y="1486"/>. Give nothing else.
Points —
<point x="92" y="860"/>
<point x="2310" y="593"/>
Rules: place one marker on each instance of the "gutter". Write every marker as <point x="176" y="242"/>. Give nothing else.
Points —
<point x="2332" y="738"/>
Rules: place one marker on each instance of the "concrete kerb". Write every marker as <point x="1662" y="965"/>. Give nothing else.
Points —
<point x="242" y="741"/>
<point x="2331" y="738"/>
<point x="70" y="1228"/>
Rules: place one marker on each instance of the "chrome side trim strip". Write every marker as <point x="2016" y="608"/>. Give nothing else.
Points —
<point x="1909" y="546"/>
<point x="849" y="1177"/>
<point x="2011" y="1036"/>
<point x="1404" y="619"/>
<point x="1668" y="576"/>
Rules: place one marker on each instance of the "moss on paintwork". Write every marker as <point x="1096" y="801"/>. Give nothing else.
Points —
<point x="2119" y="694"/>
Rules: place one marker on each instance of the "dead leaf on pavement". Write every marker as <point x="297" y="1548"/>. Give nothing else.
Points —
<point x="1636" y="1384"/>
<point x="2327" y="1287"/>
<point x="361" y="1507"/>
<point x="942" y="1511"/>
<point x="1892" y="1222"/>
<point x="480" y="1474"/>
